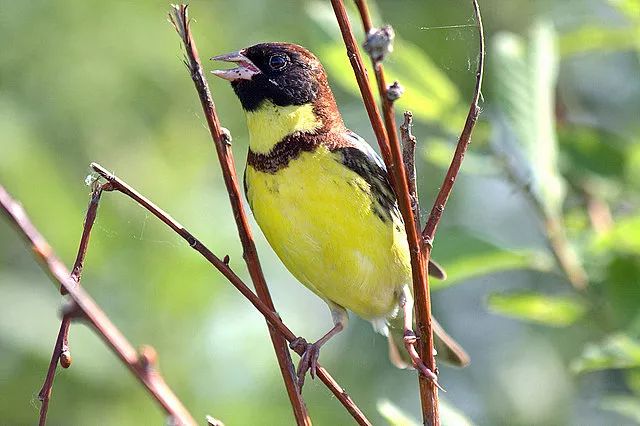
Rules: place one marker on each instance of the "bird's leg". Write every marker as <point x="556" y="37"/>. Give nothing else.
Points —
<point x="406" y="303"/>
<point x="309" y="360"/>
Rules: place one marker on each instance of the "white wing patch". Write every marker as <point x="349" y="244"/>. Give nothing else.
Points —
<point x="363" y="146"/>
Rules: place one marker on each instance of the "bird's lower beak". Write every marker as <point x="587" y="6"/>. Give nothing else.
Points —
<point x="245" y="70"/>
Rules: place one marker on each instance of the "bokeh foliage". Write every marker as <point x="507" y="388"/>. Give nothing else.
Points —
<point x="84" y="81"/>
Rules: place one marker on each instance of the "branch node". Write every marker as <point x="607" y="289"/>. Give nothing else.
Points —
<point x="225" y="136"/>
<point x="147" y="358"/>
<point x="71" y="310"/>
<point x="394" y="91"/>
<point x="299" y="345"/>
<point x="65" y="358"/>
<point x="226" y="259"/>
<point x="379" y="43"/>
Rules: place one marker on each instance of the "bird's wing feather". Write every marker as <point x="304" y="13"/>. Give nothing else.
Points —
<point x="358" y="156"/>
<point x="362" y="159"/>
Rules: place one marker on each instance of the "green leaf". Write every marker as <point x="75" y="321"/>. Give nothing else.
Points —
<point x="632" y="379"/>
<point x="623" y="237"/>
<point x="393" y="415"/>
<point x="465" y="255"/>
<point x="449" y="415"/>
<point x="523" y="82"/>
<point x="590" y="38"/>
<point x="555" y="311"/>
<point x="617" y="351"/>
<point x="590" y="151"/>
<point x="625" y="405"/>
<point x="491" y="262"/>
<point x="622" y="291"/>
<point x="630" y="8"/>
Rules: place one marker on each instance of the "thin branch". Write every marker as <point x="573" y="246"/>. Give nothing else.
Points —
<point x="420" y="251"/>
<point x="117" y="184"/>
<point x="61" y="348"/>
<point x="180" y="19"/>
<point x="554" y="229"/>
<point x="463" y="142"/>
<point x="392" y="155"/>
<point x="409" y="159"/>
<point x="139" y="365"/>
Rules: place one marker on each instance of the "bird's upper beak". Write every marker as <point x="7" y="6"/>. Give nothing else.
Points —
<point x="245" y="70"/>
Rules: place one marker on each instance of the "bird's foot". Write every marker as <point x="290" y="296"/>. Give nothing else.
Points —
<point x="309" y="361"/>
<point x="410" y="340"/>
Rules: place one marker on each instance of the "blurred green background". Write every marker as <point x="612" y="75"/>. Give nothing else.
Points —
<point x="554" y="170"/>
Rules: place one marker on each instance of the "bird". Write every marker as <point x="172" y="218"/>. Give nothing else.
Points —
<point x="322" y="197"/>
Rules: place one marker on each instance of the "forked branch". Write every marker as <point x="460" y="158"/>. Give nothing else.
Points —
<point x="140" y="364"/>
<point x="419" y="243"/>
<point x="117" y="184"/>
<point x="222" y="141"/>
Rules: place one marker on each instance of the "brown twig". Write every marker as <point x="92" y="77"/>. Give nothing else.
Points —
<point x="61" y="348"/>
<point x="117" y="184"/>
<point x="138" y="364"/>
<point x="409" y="159"/>
<point x="390" y="149"/>
<point x="392" y="155"/>
<point x="180" y="19"/>
<point x="463" y="142"/>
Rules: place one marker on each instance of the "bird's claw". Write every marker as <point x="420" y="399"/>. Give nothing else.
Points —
<point x="299" y="345"/>
<point x="410" y="337"/>
<point x="308" y="362"/>
<point x="410" y="340"/>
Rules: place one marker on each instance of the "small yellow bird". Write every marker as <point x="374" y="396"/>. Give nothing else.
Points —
<point x="321" y="196"/>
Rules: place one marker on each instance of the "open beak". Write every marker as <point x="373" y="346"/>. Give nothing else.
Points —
<point x="244" y="71"/>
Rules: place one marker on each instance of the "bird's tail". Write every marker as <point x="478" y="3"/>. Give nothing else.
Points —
<point x="447" y="348"/>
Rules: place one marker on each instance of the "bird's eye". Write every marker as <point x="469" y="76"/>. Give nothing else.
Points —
<point x="277" y="62"/>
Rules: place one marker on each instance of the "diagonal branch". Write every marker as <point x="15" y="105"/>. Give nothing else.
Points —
<point x="117" y="184"/>
<point x="430" y="228"/>
<point x="141" y="364"/>
<point x="180" y="19"/>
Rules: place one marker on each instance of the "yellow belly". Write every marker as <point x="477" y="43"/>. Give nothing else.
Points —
<point x="317" y="215"/>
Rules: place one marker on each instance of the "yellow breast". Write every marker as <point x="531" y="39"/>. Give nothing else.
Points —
<point x="317" y="215"/>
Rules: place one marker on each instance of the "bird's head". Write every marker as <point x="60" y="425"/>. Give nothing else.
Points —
<point x="281" y="73"/>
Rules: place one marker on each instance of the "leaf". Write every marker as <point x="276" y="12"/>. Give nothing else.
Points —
<point x="617" y="351"/>
<point x="393" y="415"/>
<point x="491" y="262"/>
<point x="630" y="8"/>
<point x="449" y="415"/>
<point x="590" y="151"/>
<point x="523" y="82"/>
<point x="632" y="379"/>
<point x="554" y="311"/>
<point x="625" y="405"/>
<point x="598" y="38"/>
<point x="623" y="237"/>
<point x="622" y="290"/>
<point x="465" y="255"/>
